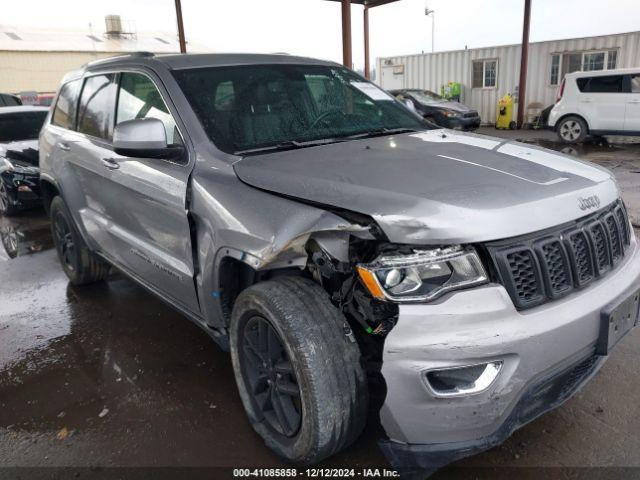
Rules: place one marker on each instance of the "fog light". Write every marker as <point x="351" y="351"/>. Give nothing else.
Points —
<point x="459" y="381"/>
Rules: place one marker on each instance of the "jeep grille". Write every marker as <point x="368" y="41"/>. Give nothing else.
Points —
<point x="545" y="266"/>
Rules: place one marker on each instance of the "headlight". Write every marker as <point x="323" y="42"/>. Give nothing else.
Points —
<point x="423" y="275"/>
<point x="450" y="114"/>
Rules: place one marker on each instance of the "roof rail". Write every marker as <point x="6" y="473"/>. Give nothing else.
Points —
<point x="102" y="61"/>
<point x="142" y="54"/>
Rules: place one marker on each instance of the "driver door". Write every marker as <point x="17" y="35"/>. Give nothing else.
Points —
<point x="144" y="200"/>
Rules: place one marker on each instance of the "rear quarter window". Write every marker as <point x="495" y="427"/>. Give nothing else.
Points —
<point x="64" y="114"/>
<point x="601" y="84"/>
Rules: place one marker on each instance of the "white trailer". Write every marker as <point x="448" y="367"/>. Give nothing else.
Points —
<point x="486" y="74"/>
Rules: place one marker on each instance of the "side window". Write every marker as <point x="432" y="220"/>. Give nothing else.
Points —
<point x="139" y="98"/>
<point x="635" y="83"/>
<point x="477" y="74"/>
<point x="606" y="84"/>
<point x="593" y="61"/>
<point x="571" y="62"/>
<point x="490" y="71"/>
<point x="485" y="73"/>
<point x="555" y="69"/>
<point x="97" y="103"/>
<point x="65" y="111"/>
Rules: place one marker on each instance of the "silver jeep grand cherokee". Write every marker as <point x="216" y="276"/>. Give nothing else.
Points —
<point x="341" y="249"/>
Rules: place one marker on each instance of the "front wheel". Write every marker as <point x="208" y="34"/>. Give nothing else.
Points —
<point x="572" y="130"/>
<point x="298" y="369"/>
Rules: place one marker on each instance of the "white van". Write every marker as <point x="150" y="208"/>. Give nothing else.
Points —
<point x="597" y="103"/>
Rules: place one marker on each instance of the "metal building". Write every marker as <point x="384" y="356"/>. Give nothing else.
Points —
<point x="486" y="74"/>
<point x="35" y="60"/>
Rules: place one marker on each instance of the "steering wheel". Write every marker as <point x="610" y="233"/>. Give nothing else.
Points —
<point x="325" y="115"/>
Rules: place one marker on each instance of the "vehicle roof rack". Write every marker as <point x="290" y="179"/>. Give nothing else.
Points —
<point x="103" y="61"/>
<point x="142" y="54"/>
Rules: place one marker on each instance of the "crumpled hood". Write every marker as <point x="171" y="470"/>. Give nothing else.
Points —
<point x="23" y="152"/>
<point x="438" y="186"/>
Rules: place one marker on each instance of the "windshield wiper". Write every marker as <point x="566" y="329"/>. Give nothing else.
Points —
<point x="381" y="132"/>
<point x="289" y="145"/>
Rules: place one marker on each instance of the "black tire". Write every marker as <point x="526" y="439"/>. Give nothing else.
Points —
<point x="80" y="264"/>
<point x="6" y="208"/>
<point x="318" y="354"/>
<point x="572" y="129"/>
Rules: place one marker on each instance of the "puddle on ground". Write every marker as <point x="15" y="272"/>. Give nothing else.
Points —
<point x="24" y="235"/>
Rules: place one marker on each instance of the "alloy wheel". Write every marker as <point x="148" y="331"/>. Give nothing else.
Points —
<point x="64" y="241"/>
<point x="570" y="130"/>
<point x="270" y="378"/>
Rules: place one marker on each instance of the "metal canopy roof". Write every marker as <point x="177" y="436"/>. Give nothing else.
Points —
<point x="347" y="47"/>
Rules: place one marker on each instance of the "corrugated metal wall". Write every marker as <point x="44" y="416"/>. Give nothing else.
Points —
<point x="432" y="70"/>
<point x="40" y="71"/>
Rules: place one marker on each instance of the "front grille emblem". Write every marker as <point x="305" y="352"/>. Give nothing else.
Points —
<point x="588" y="203"/>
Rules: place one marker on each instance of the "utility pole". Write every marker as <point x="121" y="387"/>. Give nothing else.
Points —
<point x="524" y="58"/>
<point x="432" y="13"/>
<point x="367" y="67"/>
<point x="183" y="43"/>
<point x="347" y="53"/>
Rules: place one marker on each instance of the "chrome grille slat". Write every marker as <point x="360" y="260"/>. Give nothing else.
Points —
<point x="541" y="267"/>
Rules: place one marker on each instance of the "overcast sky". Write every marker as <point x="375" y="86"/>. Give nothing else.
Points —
<point x="312" y="27"/>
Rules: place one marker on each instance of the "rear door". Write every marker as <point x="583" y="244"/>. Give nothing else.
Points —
<point x="602" y="101"/>
<point x="632" y="114"/>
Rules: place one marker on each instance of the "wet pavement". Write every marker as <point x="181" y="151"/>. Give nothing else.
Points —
<point x="108" y="375"/>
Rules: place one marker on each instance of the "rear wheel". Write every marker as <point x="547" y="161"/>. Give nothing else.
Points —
<point x="5" y="203"/>
<point x="80" y="264"/>
<point x="298" y="369"/>
<point x="572" y="129"/>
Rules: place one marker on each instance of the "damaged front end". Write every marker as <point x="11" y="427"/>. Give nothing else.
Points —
<point x="370" y="280"/>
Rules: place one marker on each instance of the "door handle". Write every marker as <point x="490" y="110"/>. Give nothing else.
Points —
<point x="634" y="101"/>
<point x="586" y="100"/>
<point x="64" y="146"/>
<point x="110" y="163"/>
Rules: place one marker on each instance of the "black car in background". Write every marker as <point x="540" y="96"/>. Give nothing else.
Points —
<point x="8" y="100"/>
<point x="438" y="110"/>
<point x="19" y="171"/>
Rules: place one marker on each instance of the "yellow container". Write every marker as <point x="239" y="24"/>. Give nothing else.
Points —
<point x="504" y="113"/>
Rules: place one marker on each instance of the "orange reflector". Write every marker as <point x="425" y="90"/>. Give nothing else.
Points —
<point x="370" y="282"/>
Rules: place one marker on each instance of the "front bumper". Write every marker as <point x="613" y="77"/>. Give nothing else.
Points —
<point x="462" y="123"/>
<point x="540" y="349"/>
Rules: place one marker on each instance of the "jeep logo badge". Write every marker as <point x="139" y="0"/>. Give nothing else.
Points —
<point x="589" y="202"/>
